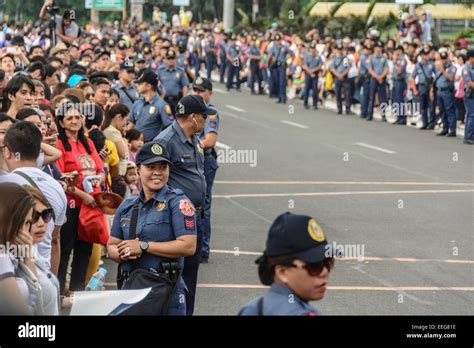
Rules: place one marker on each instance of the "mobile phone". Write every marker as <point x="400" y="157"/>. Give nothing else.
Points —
<point x="11" y="50"/>
<point x="66" y="176"/>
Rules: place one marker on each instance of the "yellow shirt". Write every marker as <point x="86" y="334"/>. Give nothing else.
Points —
<point x="113" y="159"/>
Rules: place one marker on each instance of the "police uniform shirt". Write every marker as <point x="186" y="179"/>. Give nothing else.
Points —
<point x="164" y="218"/>
<point x="442" y="81"/>
<point x="233" y="51"/>
<point x="255" y="51"/>
<point x="402" y="64"/>
<point x="468" y="75"/>
<point x="151" y="117"/>
<point x="422" y="69"/>
<point x="180" y="62"/>
<point x="279" y="53"/>
<point x="211" y="126"/>
<point x="124" y="98"/>
<point x="341" y="64"/>
<point x="222" y="48"/>
<point x="187" y="171"/>
<point x="209" y="46"/>
<point x="173" y="81"/>
<point x="279" y="300"/>
<point x="363" y="64"/>
<point x="312" y="61"/>
<point x="378" y="64"/>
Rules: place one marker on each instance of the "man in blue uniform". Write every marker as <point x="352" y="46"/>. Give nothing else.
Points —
<point x="468" y="79"/>
<point x="223" y="45"/>
<point x="399" y="84"/>
<point x="174" y="80"/>
<point x="255" y="56"/>
<point x="340" y="67"/>
<point x="233" y="64"/>
<point x="125" y="87"/>
<point x="445" y="73"/>
<point x="210" y="51"/>
<point x="203" y="87"/>
<point x="150" y="114"/>
<point x="378" y="70"/>
<point x="312" y="65"/>
<point x="364" y="80"/>
<point x="423" y="75"/>
<point x="278" y="54"/>
<point x="296" y="263"/>
<point x="187" y="173"/>
<point x="166" y="226"/>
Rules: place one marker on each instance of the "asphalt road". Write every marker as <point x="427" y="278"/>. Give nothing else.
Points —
<point x="403" y="195"/>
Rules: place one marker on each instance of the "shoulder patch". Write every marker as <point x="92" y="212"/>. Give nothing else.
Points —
<point x="186" y="207"/>
<point x="189" y="224"/>
<point x="168" y="109"/>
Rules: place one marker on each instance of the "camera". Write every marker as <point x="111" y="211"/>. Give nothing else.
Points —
<point x="52" y="10"/>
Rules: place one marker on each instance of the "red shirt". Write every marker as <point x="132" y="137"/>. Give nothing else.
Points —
<point x="78" y="159"/>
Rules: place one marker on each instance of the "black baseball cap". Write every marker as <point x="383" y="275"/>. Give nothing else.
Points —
<point x="277" y="37"/>
<point x="299" y="236"/>
<point x="202" y="84"/>
<point x="147" y="75"/>
<point x="193" y="104"/>
<point x="312" y="45"/>
<point x="443" y="55"/>
<point x="170" y="54"/>
<point x="101" y="52"/>
<point x="127" y="64"/>
<point x="68" y="14"/>
<point x="122" y="45"/>
<point x="152" y="152"/>
<point x="140" y="58"/>
<point x="147" y="49"/>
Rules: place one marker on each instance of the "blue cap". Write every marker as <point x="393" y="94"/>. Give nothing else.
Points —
<point x="75" y="79"/>
<point x="152" y="152"/>
<point x="299" y="236"/>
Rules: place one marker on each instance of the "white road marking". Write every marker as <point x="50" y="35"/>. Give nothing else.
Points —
<point x="221" y="91"/>
<point x="241" y="118"/>
<point x="223" y="146"/>
<point x="235" y="108"/>
<point x="376" y="148"/>
<point x="388" y="183"/>
<point x="294" y="124"/>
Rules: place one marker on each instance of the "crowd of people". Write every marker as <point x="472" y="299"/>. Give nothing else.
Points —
<point x="122" y="113"/>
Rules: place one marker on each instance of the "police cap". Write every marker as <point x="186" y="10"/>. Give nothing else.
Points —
<point x="202" y="84"/>
<point x="193" y="104"/>
<point x="170" y="54"/>
<point x="148" y="76"/>
<point x="152" y="152"/>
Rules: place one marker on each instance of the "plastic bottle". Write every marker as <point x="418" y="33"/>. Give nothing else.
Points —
<point x="97" y="280"/>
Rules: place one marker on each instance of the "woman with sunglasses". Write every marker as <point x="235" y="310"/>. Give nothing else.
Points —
<point x="42" y="215"/>
<point x="296" y="263"/>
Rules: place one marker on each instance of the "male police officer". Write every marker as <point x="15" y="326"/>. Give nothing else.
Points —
<point x="210" y="51"/>
<point x="378" y="70"/>
<point x="445" y="73"/>
<point x="468" y="79"/>
<point x="399" y="84"/>
<point x="150" y="114"/>
<point x="233" y="64"/>
<point x="365" y="80"/>
<point x="174" y="80"/>
<point x="223" y="45"/>
<point x="187" y="172"/>
<point x="165" y="229"/>
<point x="203" y="87"/>
<point x="424" y="76"/>
<point x="296" y="263"/>
<point x="312" y="65"/>
<point x="255" y="56"/>
<point x="126" y="88"/>
<point x="277" y="61"/>
<point x="340" y="67"/>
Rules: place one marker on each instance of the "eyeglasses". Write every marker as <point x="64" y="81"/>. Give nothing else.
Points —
<point x="315" y="269"/>
<point x="89" y="95"/>
<point x="46" y="215"/>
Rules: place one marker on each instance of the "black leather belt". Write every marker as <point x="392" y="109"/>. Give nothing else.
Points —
<point x="445" y="89"/>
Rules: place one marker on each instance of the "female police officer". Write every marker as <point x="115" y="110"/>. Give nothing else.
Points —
<point x="296" y="263"/>
<point x="165" y="229"/>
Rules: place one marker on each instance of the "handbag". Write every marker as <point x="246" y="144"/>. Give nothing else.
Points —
<point x="92" y="227"/>
<point x="163" y="285"/>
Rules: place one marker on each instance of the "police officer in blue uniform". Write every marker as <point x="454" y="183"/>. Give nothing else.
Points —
<point x="150" y="114"/>
<point x="223" y="45"/>
<point x="296" y="263"/>
<point x="203" y="87"/>
<point x="233" y="64"/>
<point x="255" y="56"/>
<point x="187" y="173"/>
<point x="364" y="77"/>
<point x="166" y="226"/>
<point x="174" y="81"/>
<point x="399" y="84"/>
<point x="278" y="54"/>
<point x="445" y="73"/>
<point x="340" y="67"/>
<point x="378" y="70"/>
<point x="210" y="51"/>
<point x="125" y="87"/>
<point x="312" y="65"/>
<point x="423" y="75"/>
<point x="468" y="79"/>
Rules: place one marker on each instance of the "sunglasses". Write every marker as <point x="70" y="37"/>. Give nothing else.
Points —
<point x="315" y="269"/>
<point x="89" y="95"/>
<point x="46" y="215"/>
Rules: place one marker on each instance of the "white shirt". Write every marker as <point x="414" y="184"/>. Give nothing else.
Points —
<point x="55" y="195"/>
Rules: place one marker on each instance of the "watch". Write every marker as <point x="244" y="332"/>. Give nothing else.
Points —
<point x="144" y="246"/>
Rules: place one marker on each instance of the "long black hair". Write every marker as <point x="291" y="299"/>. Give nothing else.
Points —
<point x="61" y="112"/>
